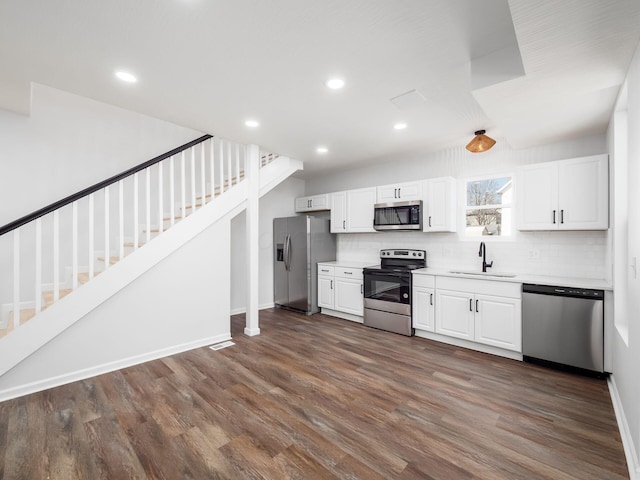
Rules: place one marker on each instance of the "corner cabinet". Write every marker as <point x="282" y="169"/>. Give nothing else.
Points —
<point x="439" y="213"/>
<point x="352" y="211"/>
<point x="312" y="204"/>
<point x="482" y="311"/>
<point x="341" y="290"/>
<point x="564" y="195"/>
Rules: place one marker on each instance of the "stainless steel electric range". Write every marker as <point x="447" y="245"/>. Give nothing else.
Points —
<point x="387" y="290"/>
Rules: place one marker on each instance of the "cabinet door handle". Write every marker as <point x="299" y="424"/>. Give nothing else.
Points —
<point x="361" y="289"/>
<point x="398" y="193"/>
<point x="348" y="273"/>
<point x="395" y="193"/>
<point x="477" y="306"/>
<point x="561" y="216"/>
<point x="309" y="203"/>
<point x="429" y="220"/>
<point x="554" y="217"/>
<point x="331" y="286"/>
<point x="471" y="304"/>
<point x="431" y="299"/>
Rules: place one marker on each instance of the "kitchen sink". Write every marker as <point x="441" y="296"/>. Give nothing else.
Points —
<point x="484" y="274"/>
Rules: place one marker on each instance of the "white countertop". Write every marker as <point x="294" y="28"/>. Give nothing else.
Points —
<point x="594" y="283"/>
<point x="348" y="264"/>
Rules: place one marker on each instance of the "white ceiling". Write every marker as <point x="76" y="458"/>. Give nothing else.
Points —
<point x="528" y="71"/>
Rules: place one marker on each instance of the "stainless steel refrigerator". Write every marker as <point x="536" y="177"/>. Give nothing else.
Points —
<point x="299" y="244"/>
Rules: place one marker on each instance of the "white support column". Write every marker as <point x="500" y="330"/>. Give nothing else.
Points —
<point x="252" y="172"/>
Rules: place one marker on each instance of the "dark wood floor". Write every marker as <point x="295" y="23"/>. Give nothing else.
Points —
<point x="317" y="397"/>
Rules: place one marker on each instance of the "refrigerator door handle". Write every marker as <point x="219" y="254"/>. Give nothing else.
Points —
<point x="288" y="253"/>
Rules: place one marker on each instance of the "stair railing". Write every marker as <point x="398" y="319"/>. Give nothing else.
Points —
<point x="98" y="226"/>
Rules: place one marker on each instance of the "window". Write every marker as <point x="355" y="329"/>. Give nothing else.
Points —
<point x="488" y="209"/>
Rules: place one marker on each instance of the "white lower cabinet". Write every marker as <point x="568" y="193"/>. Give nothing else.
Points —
<point x="481" y="311"/>
<point x="454" y="314"/>
<point x="341" y="289"/>
<point x="498" y="322"/>
<point x="325" y="288"/>
<point x="423" y="303"/>
<point x="348" y="296"/>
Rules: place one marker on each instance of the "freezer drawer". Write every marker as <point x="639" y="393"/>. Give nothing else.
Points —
<point x="563" y="329"/>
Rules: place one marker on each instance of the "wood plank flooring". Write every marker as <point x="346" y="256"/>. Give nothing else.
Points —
<point x="314" y="398"/>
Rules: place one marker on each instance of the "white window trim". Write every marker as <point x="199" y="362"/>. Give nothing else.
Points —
<point x="462" y="209"/>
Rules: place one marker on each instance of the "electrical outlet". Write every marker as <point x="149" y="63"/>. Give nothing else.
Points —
<point x="534" y="254"/>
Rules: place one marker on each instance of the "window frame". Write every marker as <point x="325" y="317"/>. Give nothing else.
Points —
<point x="462" y="202"/>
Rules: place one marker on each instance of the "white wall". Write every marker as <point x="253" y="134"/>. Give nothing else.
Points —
<point x="67" y="144"/>
<point x="571" y="254"/>
<point x="279" y="202"/>
<point x="626" y="351"/>
<point x="181" y="303"/>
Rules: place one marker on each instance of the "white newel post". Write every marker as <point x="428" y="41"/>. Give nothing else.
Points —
<point x="252" y="172"/>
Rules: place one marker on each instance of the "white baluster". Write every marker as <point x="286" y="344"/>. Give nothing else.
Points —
<point x="183" y="182"/>
<point x="38" y="272"/>
<point x="229" y="169"/>
<point x="221" y="165"/>
<point x="172" y="192"/>
<point x="212" y="169"/>
<point x="237" y="163"/>
<point x="203" y="177"/>
<point x="56" y="255"/>
<point x="136" y="211"/>
<point x="121" y="219"/>
<point x="91" y="238"/>
<point x="148" y="203"/>
<point x="74" y="245"/>
<point x="193" y="179"/>
<point x="106" y="228"/>
<point x="16" y="278"/>
<point x="160" y="199"/>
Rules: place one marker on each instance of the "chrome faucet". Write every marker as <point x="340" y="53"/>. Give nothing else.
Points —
<point x="483" y="253"/>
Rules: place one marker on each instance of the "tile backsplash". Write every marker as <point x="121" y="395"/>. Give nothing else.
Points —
<point x="569" y="254"/>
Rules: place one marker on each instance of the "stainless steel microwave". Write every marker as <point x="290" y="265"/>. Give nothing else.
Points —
<point x="398" y="215"/>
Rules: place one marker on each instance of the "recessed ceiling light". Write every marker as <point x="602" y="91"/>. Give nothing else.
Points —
<point x="335" y="83"/>
<point x="251" y="123"/>
<point x="400" y="126"/>
<point x="322" y="149"/>
<point x="126" y="77"/>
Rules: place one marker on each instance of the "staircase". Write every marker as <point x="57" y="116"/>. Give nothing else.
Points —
<point x="71" y="256"/>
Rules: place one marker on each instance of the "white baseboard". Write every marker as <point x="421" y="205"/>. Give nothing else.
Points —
<point x="627" y="440"/>
<point x="251" y="332"/>
<point x="479" y="347"/>
<point x="39" y="386"/>
<point x="238" y="311"/>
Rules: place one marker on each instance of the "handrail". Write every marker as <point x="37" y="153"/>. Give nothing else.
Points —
<point x="98" y="186"/>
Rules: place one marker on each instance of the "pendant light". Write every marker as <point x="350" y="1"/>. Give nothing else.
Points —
<point x="480" y="143"/>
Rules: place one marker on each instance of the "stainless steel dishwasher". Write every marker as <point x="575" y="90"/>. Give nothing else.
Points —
<point x="563" y="326"/>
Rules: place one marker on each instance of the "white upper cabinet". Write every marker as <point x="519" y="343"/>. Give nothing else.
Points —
<point x="313" y="203"/>
<point x="583" y="193"/>
<point x="399" y="192"/>
<point x="352" y="211"/>
<point x="339" y="212"/>
<point x="439" y="206"/>
<point x="564" y="195"/>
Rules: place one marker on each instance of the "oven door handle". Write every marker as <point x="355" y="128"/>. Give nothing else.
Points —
<point x="398" y="274"/>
